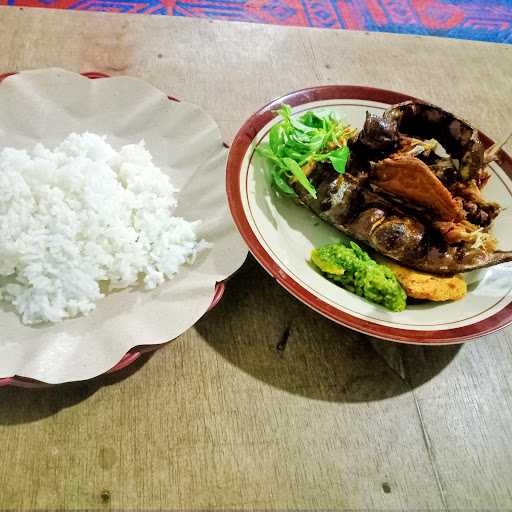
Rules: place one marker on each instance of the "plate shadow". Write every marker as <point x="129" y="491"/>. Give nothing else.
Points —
<point x="19" y="405"/>
<point x="261" y="329"/>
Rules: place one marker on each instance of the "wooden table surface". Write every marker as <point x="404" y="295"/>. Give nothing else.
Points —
<point x="233" y="415"/>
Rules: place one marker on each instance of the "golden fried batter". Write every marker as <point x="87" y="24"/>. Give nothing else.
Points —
<point x="411" y="179"/>
<point x="419" y="285"/>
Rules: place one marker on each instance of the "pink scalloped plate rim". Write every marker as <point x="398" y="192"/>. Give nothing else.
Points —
<point x="133" y="354"/>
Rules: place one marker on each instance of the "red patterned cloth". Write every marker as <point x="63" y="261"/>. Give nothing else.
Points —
<point x="485" y="20"/>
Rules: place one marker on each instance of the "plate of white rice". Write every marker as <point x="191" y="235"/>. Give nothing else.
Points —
<point x="114" y="225"/>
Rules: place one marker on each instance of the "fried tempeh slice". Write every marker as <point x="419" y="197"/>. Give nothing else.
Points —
<point x="420" y="285"/>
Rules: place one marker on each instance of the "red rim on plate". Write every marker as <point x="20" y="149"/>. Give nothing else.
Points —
<point x="133" y="354"/>
<point x="239" y="148"/>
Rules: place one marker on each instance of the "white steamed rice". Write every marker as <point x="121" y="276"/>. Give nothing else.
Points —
<point x="83" y="219"/>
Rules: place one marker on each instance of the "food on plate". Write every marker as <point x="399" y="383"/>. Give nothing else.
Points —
<point x="408" y="185"/>
<point x="84" y="219"/>
<point x="410" y="188"/>
<point x="419" y="285"/>
<point x="351" y="267"/>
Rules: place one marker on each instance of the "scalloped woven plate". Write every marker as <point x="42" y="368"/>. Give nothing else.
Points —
<point x="184" y="141"/>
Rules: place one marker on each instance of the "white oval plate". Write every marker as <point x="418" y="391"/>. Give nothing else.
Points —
<point x="281" y="234"/>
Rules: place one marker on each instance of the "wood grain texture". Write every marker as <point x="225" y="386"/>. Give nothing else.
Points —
<point x="265" y="404"/>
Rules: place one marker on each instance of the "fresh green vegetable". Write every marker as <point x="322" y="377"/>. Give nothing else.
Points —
<point x="298" y="142"/>
<point x="352" y="268"/>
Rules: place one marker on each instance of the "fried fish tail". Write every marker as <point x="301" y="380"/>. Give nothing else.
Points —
<point x="451" y="261"/>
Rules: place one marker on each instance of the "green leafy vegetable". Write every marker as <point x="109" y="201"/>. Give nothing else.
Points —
<point x="351" y="267"/>
<point x="339" y="158"/>
<point x="297" y="142"/>
<point x="282" y="184"/>
<point x="294" y="167"/>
